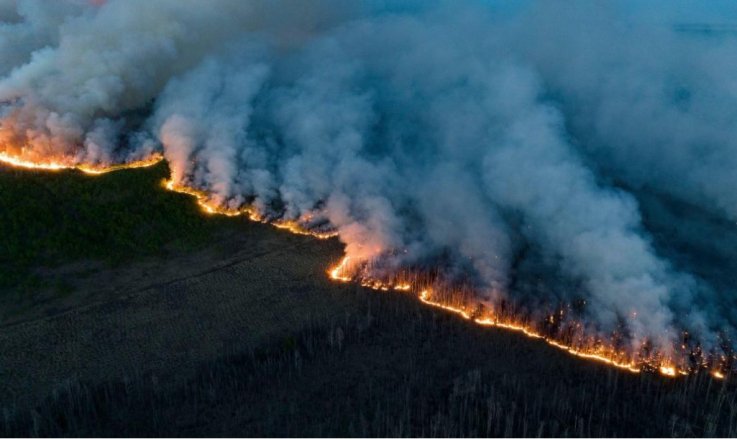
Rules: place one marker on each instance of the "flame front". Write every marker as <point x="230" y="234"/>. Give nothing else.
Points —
<point x="19" y="162"/>
<point x="346" y="269"/>
<point x="489" y="321"/>
<point x="592" y="351"/>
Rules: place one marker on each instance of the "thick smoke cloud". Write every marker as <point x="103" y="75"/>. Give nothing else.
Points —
<point x="644" y="100"/>
<point x="29" y="26"/>
<point x="429" y="131"/>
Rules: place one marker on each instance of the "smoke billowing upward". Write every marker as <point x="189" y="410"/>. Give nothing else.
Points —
<point x="521" y="150"/>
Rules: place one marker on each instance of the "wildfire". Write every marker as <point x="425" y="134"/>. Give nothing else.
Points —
<point x="595" y="351"/>
<point x="344" y="271"/>
<point x="204" y="201"/>
<point x="424" y="299"/>
<point x="58" y="166"/>
<point x="338" y="273"/>
<point x="132" y="165"/>
<point x="487" y="321"/>
<point x="298" y="229"/>
<point x="17" y="162"/>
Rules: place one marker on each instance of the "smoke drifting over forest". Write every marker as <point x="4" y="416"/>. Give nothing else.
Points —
<point x="562" y="152"/>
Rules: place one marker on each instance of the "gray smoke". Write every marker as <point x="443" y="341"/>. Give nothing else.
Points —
<point x="431" y="131"/>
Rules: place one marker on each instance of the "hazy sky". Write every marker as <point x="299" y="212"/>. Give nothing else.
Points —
<point x="685" y="11"/>
<point x="678" y="11"/>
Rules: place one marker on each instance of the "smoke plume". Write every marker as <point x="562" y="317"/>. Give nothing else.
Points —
<point x="565" y="151"/>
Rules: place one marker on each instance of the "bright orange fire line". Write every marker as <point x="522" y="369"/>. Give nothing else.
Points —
<point x="519" y="328"/>
<point x="56" y="166"/>
<point x="338" y="273"/>
<point x="5" y="158"/>
<point x="299" y="230"/>
<point x="201" y="197"/>
<point x="203" y="200"/>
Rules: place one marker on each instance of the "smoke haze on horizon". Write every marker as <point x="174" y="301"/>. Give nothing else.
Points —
<point x="564" y="151"/>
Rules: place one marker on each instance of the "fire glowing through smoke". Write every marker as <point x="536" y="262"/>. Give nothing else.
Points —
<point x="338" y="273"/>
<point x="471" y="141"/>
<point x="210" y="208"/>
<point x="346" y="271"/>
<point x="602" y="355"/>
<point x="583" y="348"/>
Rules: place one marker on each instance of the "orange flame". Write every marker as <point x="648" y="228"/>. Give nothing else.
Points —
<point x="530" y="333"/>
<point x="338" y="273"/>
<point x="596" y="353"/>
<point x="209" y="207"/>
<point x="92" y="170"/>
<point x="203" y="200"/>
<point x="297" y="229"/>
<point x="342" y="271"/>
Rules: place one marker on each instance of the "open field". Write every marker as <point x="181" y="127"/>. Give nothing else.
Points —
<point x="232" y="328"/>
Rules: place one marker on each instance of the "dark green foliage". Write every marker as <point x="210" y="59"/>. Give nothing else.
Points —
<point x="391" y="368"/>
<point x="47" y="218"/>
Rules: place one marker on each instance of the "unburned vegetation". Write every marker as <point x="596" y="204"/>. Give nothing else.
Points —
<point x="68" y="238"/>
<point x="50" y="218"/>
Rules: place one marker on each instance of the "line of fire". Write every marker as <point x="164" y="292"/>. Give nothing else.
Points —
<point x="558" y="327"/>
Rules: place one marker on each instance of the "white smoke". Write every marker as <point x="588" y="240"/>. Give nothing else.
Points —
<point x="651" y="106"/>
<point x="428" y="130"/>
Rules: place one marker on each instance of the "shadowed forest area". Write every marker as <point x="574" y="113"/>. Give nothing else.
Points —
<point x="49" y="218"/>
<point x="251" y="339"/>
<point x="391" y="368"/>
